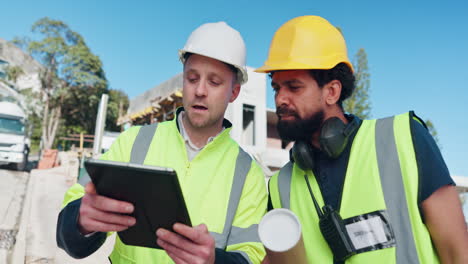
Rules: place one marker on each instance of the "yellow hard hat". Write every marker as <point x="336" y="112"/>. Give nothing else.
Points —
<point x="306" y="42"/>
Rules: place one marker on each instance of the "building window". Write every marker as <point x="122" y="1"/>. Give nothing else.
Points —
<point x="248" y="125"/>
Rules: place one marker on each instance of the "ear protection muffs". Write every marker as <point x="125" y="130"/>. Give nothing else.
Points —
<point x="302" y="155"/>
<point x="333" y="139"/>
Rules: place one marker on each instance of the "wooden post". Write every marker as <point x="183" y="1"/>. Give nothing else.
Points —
<point x="81" y="142"/>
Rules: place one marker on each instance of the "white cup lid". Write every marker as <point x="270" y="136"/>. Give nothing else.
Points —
<point x="279" y="230"/>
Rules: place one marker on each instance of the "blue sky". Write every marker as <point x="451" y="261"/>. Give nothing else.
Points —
<point x="417" y="50"/>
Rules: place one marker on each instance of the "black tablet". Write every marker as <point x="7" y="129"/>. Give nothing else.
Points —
<point x="154" y="191"/>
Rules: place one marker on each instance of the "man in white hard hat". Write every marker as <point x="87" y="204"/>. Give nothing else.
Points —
<point x="223" y="187"/>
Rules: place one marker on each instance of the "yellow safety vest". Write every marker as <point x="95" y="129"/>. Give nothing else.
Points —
<point x="224" y="188"/>
<point x="382" y="175"/>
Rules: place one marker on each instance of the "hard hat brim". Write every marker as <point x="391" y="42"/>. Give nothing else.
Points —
<point x="285" y="67"/>
<point x="242" y="75"/>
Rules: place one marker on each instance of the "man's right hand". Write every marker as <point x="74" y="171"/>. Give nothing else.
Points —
<point x="103" y="214"/>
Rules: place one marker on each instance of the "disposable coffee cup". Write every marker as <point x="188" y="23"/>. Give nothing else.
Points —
<point x="280" y="232"/>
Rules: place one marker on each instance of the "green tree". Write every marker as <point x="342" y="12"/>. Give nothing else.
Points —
<point x="116" y="107"/>
<point x="87" y="78"/>
<point x="71" y="71"/>
<point x="13" y="73"/>
<point x="358" y="103"/>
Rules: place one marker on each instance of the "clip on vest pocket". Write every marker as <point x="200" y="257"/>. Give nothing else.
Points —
<point x="369" y="232"/>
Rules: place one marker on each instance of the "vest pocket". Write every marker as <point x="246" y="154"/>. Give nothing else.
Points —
<point x="371" y="231"/>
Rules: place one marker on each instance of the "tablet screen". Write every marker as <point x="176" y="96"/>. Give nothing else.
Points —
<point x="154" y="191"/>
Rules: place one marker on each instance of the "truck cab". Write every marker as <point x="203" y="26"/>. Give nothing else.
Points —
<point x="14" y="139"/>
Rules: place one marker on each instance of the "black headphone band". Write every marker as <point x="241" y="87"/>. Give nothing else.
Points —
<point x="333" y="141"/>
<point x="352" y="125"/>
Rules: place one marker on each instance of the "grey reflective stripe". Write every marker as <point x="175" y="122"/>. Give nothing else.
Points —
<point x="394" y="191"/>
<point x="142" y="143"/>
<point x="220" y="239"/>
<point x="241" y="235"/>
<point x="237" y="235"/>
<point x="284" y="184"/>
<point x="243" y="164"/>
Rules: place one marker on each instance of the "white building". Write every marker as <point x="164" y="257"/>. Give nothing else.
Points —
<point x="12" y="56"/>
<point x="254" y="126"/>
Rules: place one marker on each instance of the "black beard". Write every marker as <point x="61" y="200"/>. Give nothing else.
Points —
<point x="300" y="129"/>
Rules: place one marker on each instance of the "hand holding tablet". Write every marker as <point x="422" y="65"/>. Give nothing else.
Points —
<point x="102" y="214"/>
<point x="154" y="192"/>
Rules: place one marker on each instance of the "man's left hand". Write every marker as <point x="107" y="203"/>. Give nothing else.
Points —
<point x="188" y="244"/>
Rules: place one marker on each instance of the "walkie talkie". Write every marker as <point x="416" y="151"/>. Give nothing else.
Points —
<point x="333" y="230"/>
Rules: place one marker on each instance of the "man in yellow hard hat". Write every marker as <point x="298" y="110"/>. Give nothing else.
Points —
<point x="223" y="187"/>
<point x="365" y="191"/>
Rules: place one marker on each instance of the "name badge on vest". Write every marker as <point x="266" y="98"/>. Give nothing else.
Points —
<point x="370" y="231"/>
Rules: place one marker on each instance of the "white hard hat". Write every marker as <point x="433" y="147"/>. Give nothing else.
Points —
<point x="221" y="42"/>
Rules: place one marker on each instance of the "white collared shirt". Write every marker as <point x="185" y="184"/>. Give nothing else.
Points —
<point x="192" y="150"/>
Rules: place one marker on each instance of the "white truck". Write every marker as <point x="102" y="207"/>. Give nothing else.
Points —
<point x="14" y="139"/>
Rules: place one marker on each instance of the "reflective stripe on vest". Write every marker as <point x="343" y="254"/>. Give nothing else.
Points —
<point x="392" y="186"/>
<point x="394" y="192"/>
<point x="284" y="184"/>
<point x="231" y="234"/>
<point x="142" y="143"/>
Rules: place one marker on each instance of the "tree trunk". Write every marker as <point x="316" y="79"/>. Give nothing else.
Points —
<point x="52" y="126"/>
<point x="45" y="116"/>
<point x="55" y="123"/>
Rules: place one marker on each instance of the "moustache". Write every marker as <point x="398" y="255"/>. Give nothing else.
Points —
<point x="285" y="111"/>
